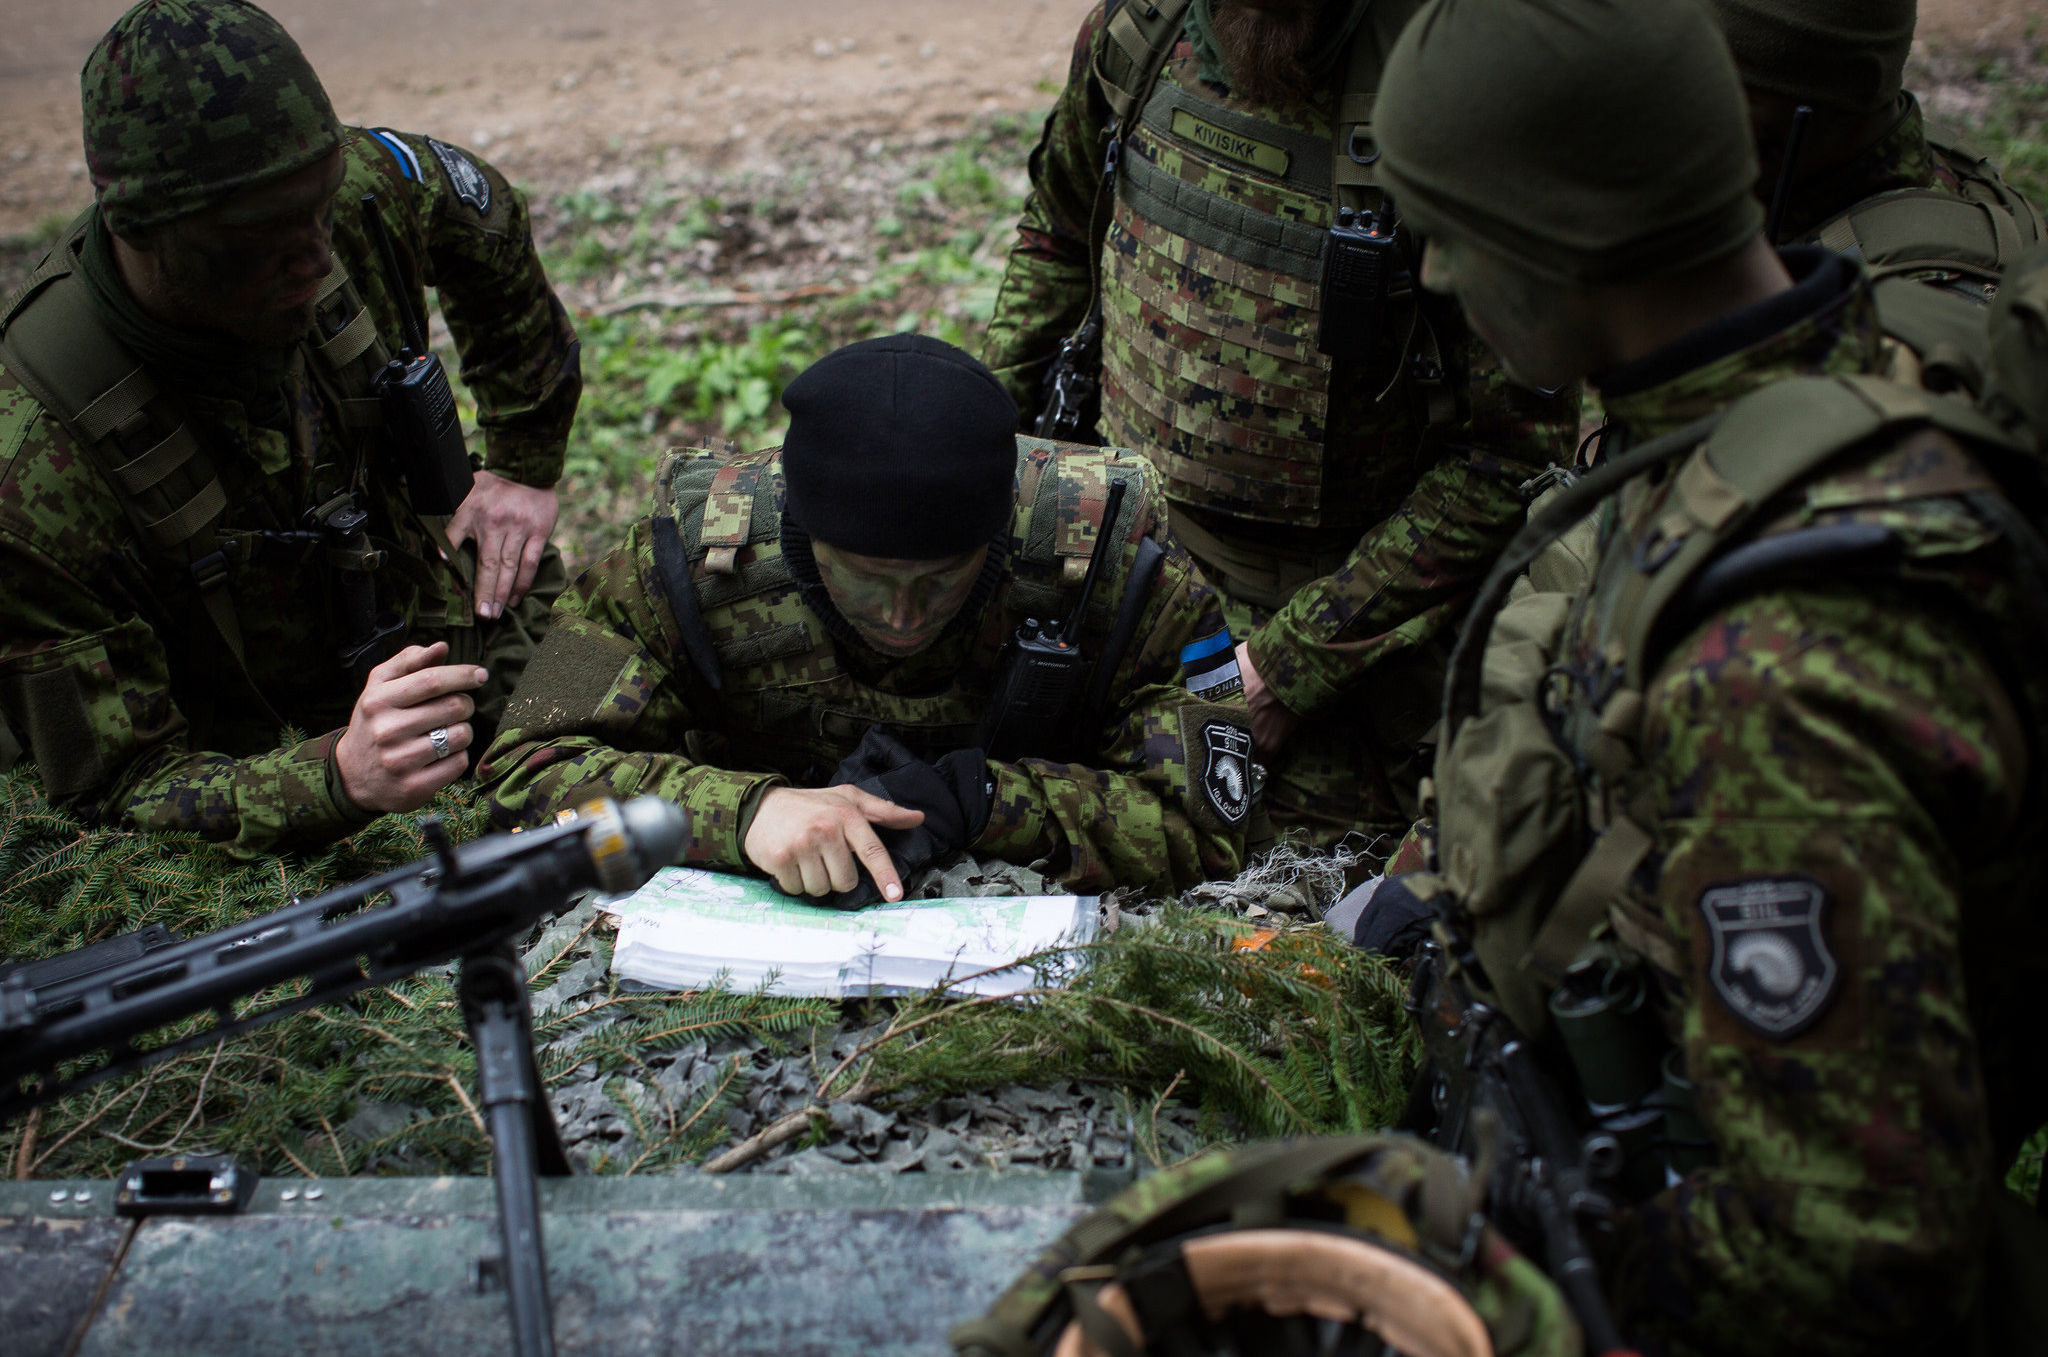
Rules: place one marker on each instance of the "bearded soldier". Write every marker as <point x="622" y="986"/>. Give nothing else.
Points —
<point x="1746" y="832"/>
<point x="1342" y="462"/>
<point x="808" y="649"/>
<point x="1864" y="173"/>
<point x="230" y="466"/>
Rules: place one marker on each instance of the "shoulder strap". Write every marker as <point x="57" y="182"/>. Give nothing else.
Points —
<point x="1140" y="36"/>
<point x="1768" y="443"/>
<point x="56" y="344"/>
<point x="1982" y="182"/>
<point x="1916" y="228"/>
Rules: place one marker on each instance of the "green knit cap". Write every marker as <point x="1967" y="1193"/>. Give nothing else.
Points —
<point x="1842" y="54"/>
<point x="188" y="101"/>
<point x="1594" y="141"/>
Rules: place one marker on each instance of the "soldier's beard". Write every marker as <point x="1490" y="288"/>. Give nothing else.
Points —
<point x="1266" y="47"/>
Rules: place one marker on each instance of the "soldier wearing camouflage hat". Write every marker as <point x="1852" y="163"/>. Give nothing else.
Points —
<point x="803" y="647"/>
<point x="1864" y="172"/>
<point x="1342" y="459"/>
<point x="1745" y="831"/>
<point x="223" y="521"/>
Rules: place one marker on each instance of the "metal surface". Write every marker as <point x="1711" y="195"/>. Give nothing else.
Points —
<point x="866" y="1263"/>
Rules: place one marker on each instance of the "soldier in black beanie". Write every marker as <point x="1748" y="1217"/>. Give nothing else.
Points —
<point x="800" y="647"/>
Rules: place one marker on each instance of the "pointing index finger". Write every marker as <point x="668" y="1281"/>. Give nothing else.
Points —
<point x="875" y="858"/>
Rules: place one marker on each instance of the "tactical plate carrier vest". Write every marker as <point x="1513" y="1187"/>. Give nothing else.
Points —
<point x="790" y="702"/>
<point x="1212" y="282"/>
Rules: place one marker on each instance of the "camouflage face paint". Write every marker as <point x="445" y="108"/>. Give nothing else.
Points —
<point x="250" y="267"/>
<point x="899" y="607"/>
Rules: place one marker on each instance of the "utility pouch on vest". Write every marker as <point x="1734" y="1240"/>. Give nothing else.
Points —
<point x="1043" y="667"/>
<point x="1359" y="256"/>
<point x="419" y="408"/>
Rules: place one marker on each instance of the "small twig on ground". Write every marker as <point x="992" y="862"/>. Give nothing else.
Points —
<point x="1152" y="1123"/>
<point x="340" y="1155"/>
<point x="467" y="1106"/>
<point x="779" y="1132"/>
<point x="683" y="301"/>
<point x="297" y="1162"/>
<point x="25" y="1159"/>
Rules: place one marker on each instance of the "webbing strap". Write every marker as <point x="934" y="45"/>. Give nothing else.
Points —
<point x="1352" y="149"/>
<point x="1552" y="521"/>
<point x="153" y="466"/>
<point x="185" y="521"/>
<point x="116" y="405"/>
<point x="350" y="344"/>
<point x="1142" y="33"/>
<point x="672" y="571"/>
<point x="1583" y="903"/>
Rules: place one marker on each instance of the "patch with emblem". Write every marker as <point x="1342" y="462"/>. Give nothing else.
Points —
<point x="1223" y="774"/>
<point x="463" y="176"/>
<point x="1771" y="965"/>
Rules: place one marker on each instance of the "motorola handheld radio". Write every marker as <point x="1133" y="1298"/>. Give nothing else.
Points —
<point x="1043" y="667"/>
<point x="419" y="409"/>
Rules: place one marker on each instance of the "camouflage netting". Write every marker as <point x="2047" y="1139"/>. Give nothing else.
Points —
<point x="1229" y="1013"/>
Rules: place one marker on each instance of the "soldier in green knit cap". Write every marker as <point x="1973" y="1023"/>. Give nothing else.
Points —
<point x="235" y="507"/>
<point x="1773" y="771"/>
<point x="1866" y="173"/>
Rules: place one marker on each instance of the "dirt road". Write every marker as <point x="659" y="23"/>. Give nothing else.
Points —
<point x="553" y="90"/>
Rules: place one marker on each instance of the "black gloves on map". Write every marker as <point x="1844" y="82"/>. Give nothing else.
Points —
<point x="953" y="793"/>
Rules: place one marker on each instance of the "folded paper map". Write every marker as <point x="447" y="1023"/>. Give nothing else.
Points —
<point x="687" y="929"/>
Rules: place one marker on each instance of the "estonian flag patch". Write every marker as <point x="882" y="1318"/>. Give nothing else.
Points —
<point x="1210" y="665"/>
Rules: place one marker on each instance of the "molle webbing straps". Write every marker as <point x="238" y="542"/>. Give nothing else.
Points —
<point x="1142" y="34"/>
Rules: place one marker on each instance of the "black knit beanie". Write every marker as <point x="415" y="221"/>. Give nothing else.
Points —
<point x="902" y="447"/>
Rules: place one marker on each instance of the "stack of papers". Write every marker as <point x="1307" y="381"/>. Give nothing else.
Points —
<point x="688" y="929"/>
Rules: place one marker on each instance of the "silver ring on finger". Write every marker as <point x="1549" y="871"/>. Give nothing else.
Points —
<point x="438" y="737"/>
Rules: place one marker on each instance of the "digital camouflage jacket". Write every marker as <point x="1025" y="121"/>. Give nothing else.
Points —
<point x="115" y="682"/>
<point x="1407" y="513"/>
<point x="615" y="703"/>
<point x="1810" y="796"/>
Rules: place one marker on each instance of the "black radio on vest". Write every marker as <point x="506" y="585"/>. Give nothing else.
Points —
<point x="1043" y="667"/>
<point x="419" y="409"/>
<point x="1358" y="259"/>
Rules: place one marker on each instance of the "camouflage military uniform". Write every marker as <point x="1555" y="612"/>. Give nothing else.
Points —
<point x="1341" y="515"/>
<point x="1833" y="757"/>
<point x="613" y="702"/>
<point x="132" y="707"/>
<point x="1910" y="156"/>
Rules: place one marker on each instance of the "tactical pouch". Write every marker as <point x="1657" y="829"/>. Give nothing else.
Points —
<point x="1509" y="804"/>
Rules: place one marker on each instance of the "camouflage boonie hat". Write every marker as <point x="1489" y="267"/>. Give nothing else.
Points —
<point x="188" y="101"/>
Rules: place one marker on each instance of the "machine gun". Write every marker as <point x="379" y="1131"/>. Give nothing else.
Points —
<point x="468" y="904"/>
<point x="1043" y="667"/>
<point x="1485" y="1097"/>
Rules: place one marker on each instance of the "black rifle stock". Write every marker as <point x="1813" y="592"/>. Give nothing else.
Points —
<point x="1484" y="1097"/>
<point x="469" y="903"/>
<point x="1043" y="667"/>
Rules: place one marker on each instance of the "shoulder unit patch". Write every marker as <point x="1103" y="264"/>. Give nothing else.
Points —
<point x="1216" y="741"/>
<point x="1771" y="966"/>
<point x="464" y="177"/>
